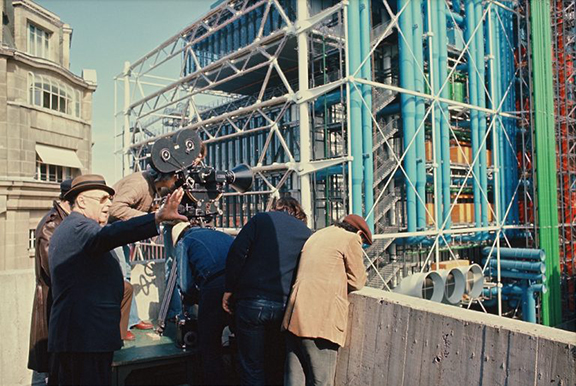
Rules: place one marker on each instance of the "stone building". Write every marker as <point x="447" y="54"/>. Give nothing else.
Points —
<point x="45" y="123"/>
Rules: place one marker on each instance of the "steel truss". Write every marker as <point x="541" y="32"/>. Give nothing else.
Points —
<point x="235" y="76"/>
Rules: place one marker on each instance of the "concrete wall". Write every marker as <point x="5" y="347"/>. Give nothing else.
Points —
<point x="16" y="296"/>
<point x="399" y="340"/>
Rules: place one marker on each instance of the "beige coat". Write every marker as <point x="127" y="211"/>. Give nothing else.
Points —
<point x="134" y="197"/>
<point x="331" y="265"/>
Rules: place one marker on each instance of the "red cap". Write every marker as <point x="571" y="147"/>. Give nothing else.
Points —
<point x="359" y="223"/>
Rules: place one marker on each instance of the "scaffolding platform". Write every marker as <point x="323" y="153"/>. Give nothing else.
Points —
<point x="154" y="360"/>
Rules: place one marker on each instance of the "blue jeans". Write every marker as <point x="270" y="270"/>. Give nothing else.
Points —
<point x="261" y="346"/>
<point x="175" y="307"/>
<point x="310" y="362"/>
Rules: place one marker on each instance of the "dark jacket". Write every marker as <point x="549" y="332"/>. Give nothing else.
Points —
<point x="38" y="356"/>
<point x="201" y="255"/>
<point x="263" y="257"/>
<point x="87" y="283"/>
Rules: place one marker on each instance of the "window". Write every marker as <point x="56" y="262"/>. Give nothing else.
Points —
<point x="38" y="41"/>
<point x="54" y="173"/>
<point x="53" y="94"/>
<point x="31" y="241"/>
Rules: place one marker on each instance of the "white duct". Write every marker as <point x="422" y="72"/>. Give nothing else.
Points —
<point x="454" y="285"/>
<point x="423" y="285"/>
<point x="474" y="280"/>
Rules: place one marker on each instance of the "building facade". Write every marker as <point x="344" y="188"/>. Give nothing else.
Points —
<point x="45" y="123"/>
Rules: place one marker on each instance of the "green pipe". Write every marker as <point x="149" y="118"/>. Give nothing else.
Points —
<point x="545" y="156"/>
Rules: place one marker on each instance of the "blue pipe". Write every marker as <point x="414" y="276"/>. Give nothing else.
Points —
<point x="518" y="253"/>
<point x="433" y="14"/>
<point x="479" y="51"/>
<point x="459" y="19"/>
<point x="457" y="5"/>
<point x="529" y="302"/>
<point x="408" y="110"/>
<point x="473" y="97"/>
<point x="367" y="133"/>
<point x="508" y="274"/>
<point x="393" y="108"/>
<point x="329" y="99"/>
<point x="444" y="124"/>
<point x="355" y="108"/>
<point x="519" y="265"/>
<point x="418" y="49"/>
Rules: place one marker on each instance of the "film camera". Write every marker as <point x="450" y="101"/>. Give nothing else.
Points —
<point x="203" y="185"/>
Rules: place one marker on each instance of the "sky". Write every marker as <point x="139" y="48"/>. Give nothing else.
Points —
<point x="106" y="33"/>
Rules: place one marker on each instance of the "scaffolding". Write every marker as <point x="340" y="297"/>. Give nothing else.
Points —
<point x="564" y="32"/>
<point x="416" y="114"/>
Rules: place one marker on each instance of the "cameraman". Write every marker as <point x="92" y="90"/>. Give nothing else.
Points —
<point x="134" y="197"/>
<point x="201" y="258"/>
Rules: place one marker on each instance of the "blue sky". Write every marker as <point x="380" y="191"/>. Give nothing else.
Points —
<point x="106" y="34"/>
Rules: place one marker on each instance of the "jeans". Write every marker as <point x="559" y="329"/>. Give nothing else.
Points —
<point x="175" y="307"/>
<point x="310" y="362"/>
<point x="211" y="322"/>
<point x="261" y="346"/>
<point x="38" y="379"/>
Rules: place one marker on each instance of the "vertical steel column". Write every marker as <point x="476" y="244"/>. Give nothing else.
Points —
<point x="303" y="107"/>
<point x="126" y="169"/>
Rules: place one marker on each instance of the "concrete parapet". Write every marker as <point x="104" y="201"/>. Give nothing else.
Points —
<point x="395" y="340"/>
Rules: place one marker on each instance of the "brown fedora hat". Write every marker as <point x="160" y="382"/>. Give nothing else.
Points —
<point x="360" y="224"/>
<point x="87" y="182"/>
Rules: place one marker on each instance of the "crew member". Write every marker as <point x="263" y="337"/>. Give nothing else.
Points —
<point x="201" y="259"/>
<point x="317" y="311"/>
<point x="259" y="272"/>
<point x="134" y="197"/>
<point x="87" y="284"/>
<point x="38" y="357"/>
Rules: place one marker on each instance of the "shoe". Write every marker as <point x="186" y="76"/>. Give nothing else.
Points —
<point x="143" y="325"/>
<point x="130" y="336"/>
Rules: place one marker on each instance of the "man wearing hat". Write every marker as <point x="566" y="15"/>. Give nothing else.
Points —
<point x="87" y="283"/>
<point x="201" y="261"/>
<point x="38" y="358"/>
<point x="317" y="311"/>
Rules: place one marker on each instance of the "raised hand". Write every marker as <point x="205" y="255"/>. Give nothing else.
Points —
<point x="169" y="210"/>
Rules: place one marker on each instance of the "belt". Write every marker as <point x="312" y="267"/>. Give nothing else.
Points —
<point x="214" y="276"/>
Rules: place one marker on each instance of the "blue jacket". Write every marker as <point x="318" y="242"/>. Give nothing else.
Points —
<point x="263" y="257"/>
<point x="201" y="255"/>
<point x="87" y="283"/>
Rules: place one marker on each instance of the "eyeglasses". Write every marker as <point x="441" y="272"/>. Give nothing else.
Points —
<point x="102" y="199"/>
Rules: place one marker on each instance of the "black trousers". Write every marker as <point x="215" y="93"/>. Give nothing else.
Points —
<point x="81" y="368"/>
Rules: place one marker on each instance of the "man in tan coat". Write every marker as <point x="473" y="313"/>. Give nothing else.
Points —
<point x="317" y="311"/>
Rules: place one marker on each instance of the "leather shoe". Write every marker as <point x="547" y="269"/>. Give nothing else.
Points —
<point x="129" y="336"/>
<point x="143" y="325"/>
